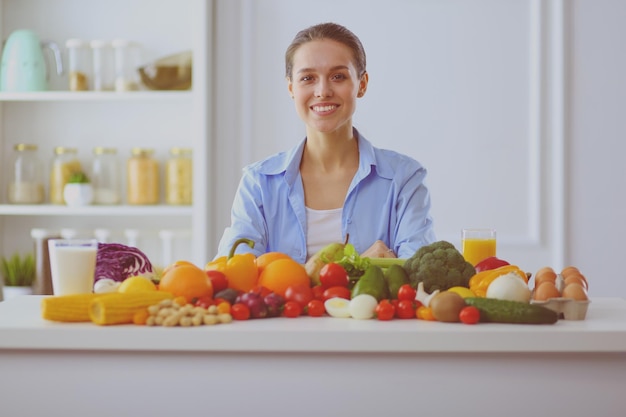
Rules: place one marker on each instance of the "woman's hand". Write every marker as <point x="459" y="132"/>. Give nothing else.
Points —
<point x="378" y="250"/>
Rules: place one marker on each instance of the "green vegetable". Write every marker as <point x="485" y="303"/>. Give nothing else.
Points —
<point x="18" y="271"/>
<point x="396" y="277"/>
<point x="505" y="311"/>
<point x="439" y="266"/>
<point x="373" y="283"/>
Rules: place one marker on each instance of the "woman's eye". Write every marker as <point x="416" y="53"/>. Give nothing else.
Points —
<point x="339" y="77"/>
<point x="306" y="78"/>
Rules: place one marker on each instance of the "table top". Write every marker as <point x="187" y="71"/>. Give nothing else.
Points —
<point x="603" y="330"/>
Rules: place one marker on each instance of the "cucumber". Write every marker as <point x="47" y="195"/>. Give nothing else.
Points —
<point x="504" y="311"/>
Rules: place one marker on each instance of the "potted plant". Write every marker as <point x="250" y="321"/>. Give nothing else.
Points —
<point x="78" y="191"/>
<point x="18" y="274"/>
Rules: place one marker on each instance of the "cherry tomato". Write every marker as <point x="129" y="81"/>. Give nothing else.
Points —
<point x="405" y="310"/>
<point x="385" y="310"/>
<point x="240" y="311"/>
<point x="292" y="309"/>
<point x="218" y="280"/>
<point x="406" y="292"/>
<point x="337" y="291"/>
<point x="300" y="293"/>
<point x="204" y="302"/>
<point x="315" y="308"/>
<point x="318" y="292"/>
<point x="469" y="315"/>
<point x="333" y="275"/>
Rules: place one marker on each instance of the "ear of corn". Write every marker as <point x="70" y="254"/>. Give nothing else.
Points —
<point x="119" y="308"/>
<point x="68" y="308"/>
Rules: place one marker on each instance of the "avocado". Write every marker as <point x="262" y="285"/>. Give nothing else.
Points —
<point x="373" y="283"/>
<point x="505" y="311"/>
<point x="395" y="276"/>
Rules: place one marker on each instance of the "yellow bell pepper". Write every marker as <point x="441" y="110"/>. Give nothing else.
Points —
<point x="240" y="270"/>
<point x="487" y="279"/>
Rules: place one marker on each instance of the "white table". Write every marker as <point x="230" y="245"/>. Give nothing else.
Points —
<point x="313" y="367"/>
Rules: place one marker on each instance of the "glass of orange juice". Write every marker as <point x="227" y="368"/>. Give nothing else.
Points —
<point x="478" y="244"/>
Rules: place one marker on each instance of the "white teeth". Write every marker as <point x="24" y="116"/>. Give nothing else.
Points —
<point x="324" y="108"/>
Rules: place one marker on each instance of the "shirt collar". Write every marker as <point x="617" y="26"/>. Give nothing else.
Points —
<point x="288" y="162"/>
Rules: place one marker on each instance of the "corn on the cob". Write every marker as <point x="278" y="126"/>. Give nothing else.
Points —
<point x="119" y="308"/>
<point x="68" y="308"/>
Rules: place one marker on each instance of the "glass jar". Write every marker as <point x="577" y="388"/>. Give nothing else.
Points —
<point x="142" y="177"/>
<point x="178" y="177"/>
<point x="79" y="64"/>
<point x="26" y="186"/>
<point x="64" y="164"/>
<point x="126" y="64"/>
<point x="103" y="66"/>
<point x="105" y="176"/>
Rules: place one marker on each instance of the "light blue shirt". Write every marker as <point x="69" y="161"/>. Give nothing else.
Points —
<point x="387" y="200"/>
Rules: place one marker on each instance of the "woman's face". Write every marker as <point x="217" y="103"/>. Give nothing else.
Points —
<point x="325" y="85"/>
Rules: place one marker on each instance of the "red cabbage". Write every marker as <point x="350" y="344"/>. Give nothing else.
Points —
<point x="118" y="262"/>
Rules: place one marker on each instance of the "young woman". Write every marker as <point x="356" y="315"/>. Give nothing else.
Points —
<point x="334" y="184"/>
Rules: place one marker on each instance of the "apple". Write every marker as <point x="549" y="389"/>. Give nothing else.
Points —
<point x="491" y="262"/>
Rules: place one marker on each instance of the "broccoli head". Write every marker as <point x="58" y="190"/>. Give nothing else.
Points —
<point x="439" y="266"/>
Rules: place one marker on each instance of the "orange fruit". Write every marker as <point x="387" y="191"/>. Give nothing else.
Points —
<point x="188" y="281"/>
<point x="281" y="273"/>
<point x="175" y="265"/>
<point x="265" y="259"/>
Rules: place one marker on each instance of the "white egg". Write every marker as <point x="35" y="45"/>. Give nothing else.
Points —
<point x="362" y="306"/>
<point x="337" y="307"/>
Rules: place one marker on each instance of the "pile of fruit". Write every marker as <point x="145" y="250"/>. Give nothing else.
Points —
<point x="436" y="284"/>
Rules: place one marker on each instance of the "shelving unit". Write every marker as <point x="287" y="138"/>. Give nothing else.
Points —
<point x="156" y="119"/>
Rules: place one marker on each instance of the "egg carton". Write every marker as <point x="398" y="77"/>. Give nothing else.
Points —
<point x="567" y="308"/>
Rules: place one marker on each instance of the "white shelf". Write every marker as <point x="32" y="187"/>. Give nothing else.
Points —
<point x="57" y="96"/>
<point x="93" y="210"/>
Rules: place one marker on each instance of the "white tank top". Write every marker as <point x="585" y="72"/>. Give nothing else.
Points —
<point x="323" y="227"/>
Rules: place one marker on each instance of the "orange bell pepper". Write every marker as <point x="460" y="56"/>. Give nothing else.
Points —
<point x="240" y="270"/>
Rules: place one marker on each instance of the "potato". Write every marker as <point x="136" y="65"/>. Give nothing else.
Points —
<point x="446" y="306"/>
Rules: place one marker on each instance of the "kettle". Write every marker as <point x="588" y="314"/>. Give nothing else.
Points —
<point x="23" y="66"/>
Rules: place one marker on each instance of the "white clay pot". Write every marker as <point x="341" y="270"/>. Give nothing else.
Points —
<point x="78" y="194"/>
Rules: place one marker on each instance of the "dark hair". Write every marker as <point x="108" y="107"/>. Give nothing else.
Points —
<point x="331" y="31"/>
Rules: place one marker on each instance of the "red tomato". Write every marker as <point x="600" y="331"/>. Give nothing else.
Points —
<point x="315" y="308"/>
<point x="469" y="315"/>
<point x="333" y="275"/>
<point x="300" y="293"/>
<point x="406" y="292"/>
<point x="204" y="302"/>
<point x="218" y="280"/>
<point x="337" y="291"/>
<point x="405" y="310"/>
<point x="240" y="311"/>
<point x="385" y="310"/>
<point x="318" y="292"/>
<point x="292" y="309"/>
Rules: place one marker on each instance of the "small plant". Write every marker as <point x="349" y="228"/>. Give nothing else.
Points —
<point x="18" y="271"/>
<point x="78" y="177"/>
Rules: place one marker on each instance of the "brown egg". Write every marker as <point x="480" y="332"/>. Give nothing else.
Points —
<point x="575" y="291"/>
<point x="544" y="276"/>
<point x="576" y="278"/>
<point x="545" y="291"/>
<point x="544" y="269"/>
<point x="569" y="270"/>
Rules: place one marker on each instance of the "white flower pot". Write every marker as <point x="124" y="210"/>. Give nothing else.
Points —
<point x="10" y="292"/>
<point x="78" y="194"/>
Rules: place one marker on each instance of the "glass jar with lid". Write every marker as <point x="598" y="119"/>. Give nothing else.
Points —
<point x="79" y="62"/>
<point x="103" y="65"/>
<point x="105" y="176"/>
<point x="178" y="177"/>
<point x="142" y="177"/>
<point x="26" y="186"/>
<point x="64" y="164"/>
<point x="127" y="60"/>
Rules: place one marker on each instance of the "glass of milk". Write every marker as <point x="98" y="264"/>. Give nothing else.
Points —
<point x="72" y="265"/>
